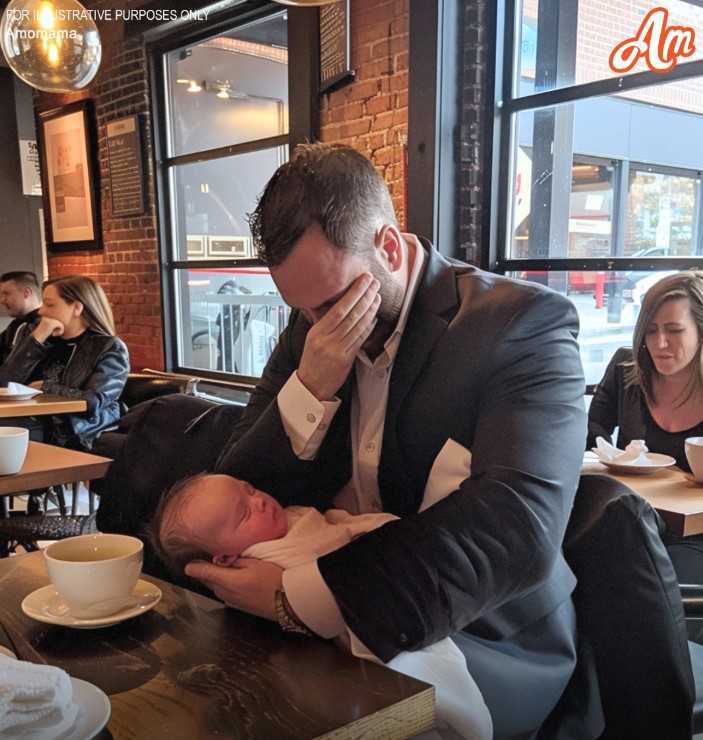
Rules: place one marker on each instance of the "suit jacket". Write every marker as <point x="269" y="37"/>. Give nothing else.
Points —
<point x="493" y="364"/>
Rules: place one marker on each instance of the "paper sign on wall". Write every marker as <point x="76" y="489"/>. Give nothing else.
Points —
<point x="31" y="173"/>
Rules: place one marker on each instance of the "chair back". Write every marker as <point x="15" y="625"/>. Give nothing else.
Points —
<point x="173" y="437"/>
<point x="629" y="612"/>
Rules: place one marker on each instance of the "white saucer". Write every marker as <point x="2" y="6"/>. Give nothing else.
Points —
<point x="18" y="396"/>
<point x="656" y="462"/>
<point x="44" y="605"/>
<point x="93" y="709"/>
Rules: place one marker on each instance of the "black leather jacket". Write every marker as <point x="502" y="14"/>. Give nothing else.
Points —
<point x="16" y="330"/>
<point x="96" y="373"/>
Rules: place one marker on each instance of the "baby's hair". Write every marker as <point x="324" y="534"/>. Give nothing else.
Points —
<point x="165" y="532"/>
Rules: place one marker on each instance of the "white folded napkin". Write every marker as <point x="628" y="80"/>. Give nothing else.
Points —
<point x="36" y="701"/>
<point x="634" y="454"/>
<point x="14" y="388"/>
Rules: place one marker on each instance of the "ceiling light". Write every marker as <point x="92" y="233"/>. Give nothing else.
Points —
<point x="223" y="92"/>
<point x="53" y="45"/>
<point x="194" y="87"/>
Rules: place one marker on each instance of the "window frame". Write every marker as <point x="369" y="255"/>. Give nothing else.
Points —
<point x="508" y="104"/>
<point x="303" y="125"/>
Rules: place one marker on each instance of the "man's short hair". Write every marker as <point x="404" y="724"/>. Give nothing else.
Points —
<point x="332" y="185"/>
<point x="23" y="280"/>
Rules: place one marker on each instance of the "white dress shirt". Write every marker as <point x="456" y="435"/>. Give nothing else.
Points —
<point x="306" y="420"/>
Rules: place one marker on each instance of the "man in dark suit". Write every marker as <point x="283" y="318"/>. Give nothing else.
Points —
<point x="425" y="387"/>
<point x="21" y="295"/>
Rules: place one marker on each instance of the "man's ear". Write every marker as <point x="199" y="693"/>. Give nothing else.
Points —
<point x="389" y="243"/>
<point x="225" y="561"/>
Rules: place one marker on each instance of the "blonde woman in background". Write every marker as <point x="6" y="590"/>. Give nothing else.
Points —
<point x="72" y="352"/>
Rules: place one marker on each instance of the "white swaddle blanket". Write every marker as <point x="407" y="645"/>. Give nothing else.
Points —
<point x="36" y="701"/>
<point x="459" y="701"/>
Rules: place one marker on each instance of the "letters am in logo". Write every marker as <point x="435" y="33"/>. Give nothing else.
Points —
<point x="658" y="44"/>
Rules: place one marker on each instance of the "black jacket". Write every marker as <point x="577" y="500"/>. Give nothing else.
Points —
<point x="16" y="330"/>
<point x="96" y="373"/>
<point x="493" y="365"/>
<point x="617" y="405"/>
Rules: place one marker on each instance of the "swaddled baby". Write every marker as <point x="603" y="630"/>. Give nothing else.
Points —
<point x="220" y="519"/>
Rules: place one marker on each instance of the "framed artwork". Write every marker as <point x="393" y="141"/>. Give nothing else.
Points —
<point x="66" y="149"/>
<point x="335" y="65"/>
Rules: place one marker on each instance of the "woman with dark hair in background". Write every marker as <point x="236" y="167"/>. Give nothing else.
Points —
<point x="654" y="391"/>
<point x="73" y="352"/>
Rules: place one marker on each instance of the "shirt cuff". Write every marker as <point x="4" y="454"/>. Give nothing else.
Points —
<point x="305" y="419"/>
<point x="312" y="601"/>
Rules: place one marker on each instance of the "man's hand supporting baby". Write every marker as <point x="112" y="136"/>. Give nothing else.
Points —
<point x="248" y="585"/>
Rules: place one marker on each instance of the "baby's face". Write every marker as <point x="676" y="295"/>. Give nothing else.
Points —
<point x="229" y="516"/>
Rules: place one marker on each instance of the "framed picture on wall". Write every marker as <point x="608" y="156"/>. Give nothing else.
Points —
<point x="66" y="147"/>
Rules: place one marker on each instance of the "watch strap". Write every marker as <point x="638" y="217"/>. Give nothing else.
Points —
<point x="285" y="617"/>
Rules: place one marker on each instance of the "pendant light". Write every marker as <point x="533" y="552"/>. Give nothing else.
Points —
<point x="53" y="45"/>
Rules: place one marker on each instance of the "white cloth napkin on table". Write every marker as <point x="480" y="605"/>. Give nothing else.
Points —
<point x="36" y="701"/>
<point x="634" y="454"/>
<point x="14" y="388"/>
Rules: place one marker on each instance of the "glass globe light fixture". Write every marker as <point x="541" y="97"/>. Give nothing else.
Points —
<point x="52" y="45"/>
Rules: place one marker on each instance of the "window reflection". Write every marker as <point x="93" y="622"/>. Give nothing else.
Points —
<point x="232" y="319"/>
<point x="608" y="304"/>
<point x="575" y="49"/>
<point x="570" y="204"/>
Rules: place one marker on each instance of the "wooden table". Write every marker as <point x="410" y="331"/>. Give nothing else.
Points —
<point x="48" y="465"/>
<point x="191" y="668"/>
<point x="678" y="500"/>
<point x="41" y="405"/>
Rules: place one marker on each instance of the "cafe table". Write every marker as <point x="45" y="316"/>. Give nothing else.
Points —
<point x="49" y="465"/>
<point x="191" y="668"/>
<point x="42" y="404"/>
<point x="678" y="500"/>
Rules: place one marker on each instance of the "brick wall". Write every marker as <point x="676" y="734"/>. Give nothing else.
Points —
<point x="371" y="113"/>
<point x="476" y="123"/>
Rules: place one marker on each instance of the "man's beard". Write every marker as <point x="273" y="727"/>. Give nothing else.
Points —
<point x="388" y="312"/>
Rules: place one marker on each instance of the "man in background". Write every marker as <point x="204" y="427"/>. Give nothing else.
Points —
<point x="20" y="293"/>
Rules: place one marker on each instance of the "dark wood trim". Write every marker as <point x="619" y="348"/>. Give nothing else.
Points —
<point x="422" y="118"/>
<point x="433" y="122"/>
<point x="303" y="75"/>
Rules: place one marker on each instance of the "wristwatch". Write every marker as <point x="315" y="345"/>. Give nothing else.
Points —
<point x="286" y="620"/>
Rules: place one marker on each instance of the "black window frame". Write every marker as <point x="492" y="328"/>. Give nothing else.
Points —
<point x="507" y="104"/>
<point x="303" y="125"/>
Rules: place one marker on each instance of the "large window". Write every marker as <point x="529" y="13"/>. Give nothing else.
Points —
<point x="600" y="171"/>
<point x="225" y="131"/>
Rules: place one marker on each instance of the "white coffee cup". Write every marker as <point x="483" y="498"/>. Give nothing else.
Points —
<point x="694" y="455"/>
<point x="13" y="449"/>
<point x="94" y="568"/>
